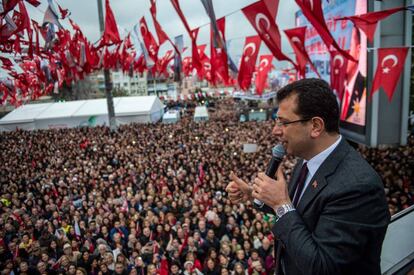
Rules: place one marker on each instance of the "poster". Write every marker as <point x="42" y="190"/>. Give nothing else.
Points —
<point x="354" y="99"/>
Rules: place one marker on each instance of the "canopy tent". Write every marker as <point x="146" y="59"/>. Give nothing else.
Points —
<point x="141" y="109"/>
<point x="200" y="113"/>
<point x="172" y="116"/>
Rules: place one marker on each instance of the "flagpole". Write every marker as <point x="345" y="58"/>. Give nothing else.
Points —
<point x="108" y="83"/>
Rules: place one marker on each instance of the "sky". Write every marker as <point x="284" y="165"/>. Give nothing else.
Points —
<point x="128" y="13"/>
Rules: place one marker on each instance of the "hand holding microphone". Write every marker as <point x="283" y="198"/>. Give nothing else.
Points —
<point x="240" y="191"/>
<point x="278" y="152"/>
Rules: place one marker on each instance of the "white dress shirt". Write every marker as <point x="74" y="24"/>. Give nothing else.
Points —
<point x="315" y="162"/>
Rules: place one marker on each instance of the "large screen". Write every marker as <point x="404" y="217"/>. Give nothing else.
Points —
<point x="353" y="101"/>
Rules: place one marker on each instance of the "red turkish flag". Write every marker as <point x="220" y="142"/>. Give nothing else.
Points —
<point x="163" y="62"/>
<point x="296" y="38"/>
<point x="196" y="62"/>
<point x="312" y="10"/>
<point x="25" y="19"/>
<point x="338" y="73"/>
<point x="195" y="57"/>
<point x="261" y="20"/>
<point x="368" y="22"/>
<point x="162" y="36"/>
<point x="248" y="61"/>
<point x="149" y="40"/>
<point x="16" y="45"/>
<point x="265" y="66"/>
<point x="205" y="61"/>
<point x="187" y="65"/>
<point x="272" y="7"/>
<point x="390" y="64"/>
<point x="219" y="66"/>
<point x="111" y="34"/>
<point x="63" y="12"/>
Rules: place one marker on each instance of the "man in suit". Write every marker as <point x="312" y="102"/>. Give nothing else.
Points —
<point x="332" y="216"/>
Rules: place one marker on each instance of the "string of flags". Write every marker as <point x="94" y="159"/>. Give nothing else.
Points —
<point x="30" y="68"/>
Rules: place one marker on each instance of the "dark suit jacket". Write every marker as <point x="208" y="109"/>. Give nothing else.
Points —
<point x="340" y="222"/>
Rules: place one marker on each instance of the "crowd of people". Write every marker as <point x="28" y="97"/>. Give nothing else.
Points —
<point x="149" y="198"/>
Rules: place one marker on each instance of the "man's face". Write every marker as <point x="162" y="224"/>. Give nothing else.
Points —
<point x="295" y="136"/>
<point x="119" y="268"/>
<point x="24" y="267"/>
<point x="174" y="269"/>
<point x="210" y="234"/>
<point x="257" y="266"/>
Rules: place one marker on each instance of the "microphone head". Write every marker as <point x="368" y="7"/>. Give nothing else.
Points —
<point x="278" y="151"/>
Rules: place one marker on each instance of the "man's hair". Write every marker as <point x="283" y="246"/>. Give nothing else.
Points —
<point x="314" y="98"/>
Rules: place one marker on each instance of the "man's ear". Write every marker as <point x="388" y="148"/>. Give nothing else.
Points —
<point x="318" y="126"/>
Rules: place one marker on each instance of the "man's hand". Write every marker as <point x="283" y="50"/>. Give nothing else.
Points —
<point x="238" y="190"/>
<point x="271" y="192"/>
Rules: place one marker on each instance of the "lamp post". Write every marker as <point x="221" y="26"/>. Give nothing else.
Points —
<point x="108" y="83"/>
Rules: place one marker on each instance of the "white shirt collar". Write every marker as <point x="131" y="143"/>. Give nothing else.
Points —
<point x="315" y="162"/>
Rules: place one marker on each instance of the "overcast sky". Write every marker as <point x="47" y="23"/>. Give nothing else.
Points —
<point x="128" y="13"/>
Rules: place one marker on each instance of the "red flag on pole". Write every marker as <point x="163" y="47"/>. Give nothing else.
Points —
<point x="149" y="40"/>
<point x="390" y="65"/>
<point x="368" y="22"/>
<point x="196" y="62"/>
<point x="162" y="36"/>
<point x="219" y="66"/>
<point x="312" y="10"/>
<point x="25" y="19"/>
<point x="296" y="38"/>
<point x="248" y="61"/>
<point x="261" y="20"/>
<point x="63" y="12"/>
<point x="265" y="66"/>
<point x="164" y="61"/>
<point x="195" y="57"/>
<point x="187" y="65"/>
<point x="111" y="34"/>
<point x="338" y="73"/>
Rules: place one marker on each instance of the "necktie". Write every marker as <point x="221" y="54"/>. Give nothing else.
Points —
<point x="300" y="184"/>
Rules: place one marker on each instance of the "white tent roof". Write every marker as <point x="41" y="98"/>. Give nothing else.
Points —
<point x="137" y="105"/>
<point x="124" y="106"/>
<point x="95" y="107"/>
<point x="61" y="109"/>
<point x="201" y="111"/>
<point x="25" y="113"/>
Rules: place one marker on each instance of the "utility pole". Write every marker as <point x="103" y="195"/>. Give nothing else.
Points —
<point x="108" y="83"/>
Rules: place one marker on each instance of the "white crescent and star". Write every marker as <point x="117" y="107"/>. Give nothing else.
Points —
<point x="252" y="46"/>
<point x="263" y="64"/>
<point x="261" y="16"/>
<point x="296" y="39"/>
<point x="340" y="58"/>
<point x="387" y="69"/>
<point x="143" y="28"/>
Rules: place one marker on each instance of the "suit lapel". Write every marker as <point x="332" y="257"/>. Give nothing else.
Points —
<point x="318" y="181"/>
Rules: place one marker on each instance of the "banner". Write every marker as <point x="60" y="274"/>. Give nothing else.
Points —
<point x="353" y="102"/>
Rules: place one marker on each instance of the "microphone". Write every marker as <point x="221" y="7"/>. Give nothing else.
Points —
<point x="278" y="152"/>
